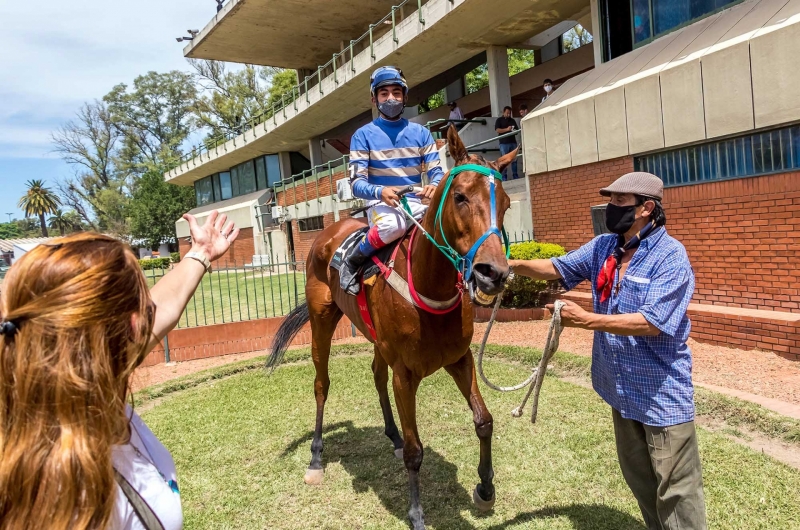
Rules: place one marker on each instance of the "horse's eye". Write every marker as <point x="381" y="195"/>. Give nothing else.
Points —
<point x="460" y="198"/>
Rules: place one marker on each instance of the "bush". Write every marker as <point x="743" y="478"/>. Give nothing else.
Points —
<point x="526" y="292"/>
<point x="175" y="257"/>
<point x="154" y="263"/>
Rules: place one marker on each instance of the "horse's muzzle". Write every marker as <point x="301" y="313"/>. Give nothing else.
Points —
<point x="489" y="278"/>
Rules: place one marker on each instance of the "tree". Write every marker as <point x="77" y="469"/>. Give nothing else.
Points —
<point x="90" y="143"/>
<point x="28" y="227"/>
<point x="154" y="119"/>
<point x="155" y="207"/>
<point x="65" y="222"/>
<point x="281" y="84"/>
<point x="39" y="201"/>
<point x="575" y="38"/>
<point x="228" y="99"/>
<point x="10" y="231"/>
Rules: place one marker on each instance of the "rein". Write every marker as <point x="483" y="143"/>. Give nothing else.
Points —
<point x="463" y="264"/>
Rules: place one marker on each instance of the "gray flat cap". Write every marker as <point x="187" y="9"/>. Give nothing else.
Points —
<point x="638" y="183"/>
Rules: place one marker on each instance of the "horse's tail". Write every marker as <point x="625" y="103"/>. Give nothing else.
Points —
<point x="291" y="325"/>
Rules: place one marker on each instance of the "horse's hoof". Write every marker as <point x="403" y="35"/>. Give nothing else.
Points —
<point x="481" y="504"/>
<point x="313" y="477"/>
<point x="398" y="453"/>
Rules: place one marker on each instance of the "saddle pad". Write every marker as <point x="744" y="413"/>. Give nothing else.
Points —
<point x="369" y="268"/>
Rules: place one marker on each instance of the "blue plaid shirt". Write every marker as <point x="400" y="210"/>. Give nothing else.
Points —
<point x="647" y="379"/>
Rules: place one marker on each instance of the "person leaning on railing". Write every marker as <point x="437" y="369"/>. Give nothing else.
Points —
<point x="76" y="319"/>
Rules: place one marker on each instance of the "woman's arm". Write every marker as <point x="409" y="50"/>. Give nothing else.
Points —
<point x="175" y="289"/>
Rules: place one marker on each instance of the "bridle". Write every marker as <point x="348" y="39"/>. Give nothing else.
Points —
<point x="464" y="264"/>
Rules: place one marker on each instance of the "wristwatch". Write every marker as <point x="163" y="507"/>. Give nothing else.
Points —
<point x="201" y="257"/>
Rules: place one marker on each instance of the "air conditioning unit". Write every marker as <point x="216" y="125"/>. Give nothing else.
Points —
<point x="277" y="212"/>
<point x="343" y="190"/>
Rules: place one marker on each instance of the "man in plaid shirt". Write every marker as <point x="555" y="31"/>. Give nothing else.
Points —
<point x="642" y="283"/>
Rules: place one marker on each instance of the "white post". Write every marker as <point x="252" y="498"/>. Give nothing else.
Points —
<point x="314" y="152"/>
<point x="499" y="82"/>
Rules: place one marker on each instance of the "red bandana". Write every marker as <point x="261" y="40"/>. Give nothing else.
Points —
<point x="605" y="279"/>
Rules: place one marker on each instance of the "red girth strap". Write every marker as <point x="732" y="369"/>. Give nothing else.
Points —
<point x="363" y="308"/>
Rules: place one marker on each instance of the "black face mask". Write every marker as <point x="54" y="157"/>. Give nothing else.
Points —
<point x="620" y="219"/>
<point x="391" y="108"/>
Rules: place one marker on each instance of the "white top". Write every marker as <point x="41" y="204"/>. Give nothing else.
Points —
<point x="456" y="114"/>
<point x="148" y="466"/>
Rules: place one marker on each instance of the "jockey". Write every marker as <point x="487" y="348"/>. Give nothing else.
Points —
<point x="387" y="154"/>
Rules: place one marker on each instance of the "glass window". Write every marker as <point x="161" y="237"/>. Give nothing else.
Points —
<point x="235" y="181"/>
<point x="641" y="20"/>
<point x="247" y="177"/>
<point x="273" y="170"/>
<point x="217" y="191"/>
<point x="203" y="191"/>
<point x="311" y="223"/>
<point x="261" y="173"/>
<point x="225" y="185"/>
<point x="761" y="153"/>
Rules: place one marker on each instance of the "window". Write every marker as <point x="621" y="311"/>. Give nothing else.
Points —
<point x="261" y="173"/>
<point x="204" y="191"/>
<point x="760" y="153"/>
<point x="627" y="24"/>
<point x="225" y="185"/>
<point x="652" y="18"/>
<point x="243" y="178"/>
<point x="310" y="223"/>
<point x="217" y="191"/>
<point x="273" y="170"/>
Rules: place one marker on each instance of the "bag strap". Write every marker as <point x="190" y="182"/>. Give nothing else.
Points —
<point x="143" y="510"/>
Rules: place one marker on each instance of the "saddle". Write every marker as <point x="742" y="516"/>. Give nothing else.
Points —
<point x="370" y="268"/>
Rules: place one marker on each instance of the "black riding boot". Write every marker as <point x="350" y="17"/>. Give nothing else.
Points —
<point x="348" y="275"/>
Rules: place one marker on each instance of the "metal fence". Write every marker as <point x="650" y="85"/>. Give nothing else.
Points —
<point x="242" y="292"/>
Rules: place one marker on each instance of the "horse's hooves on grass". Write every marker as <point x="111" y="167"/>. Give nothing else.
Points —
<point x="481" y="504"/>
<point x="313" y="477"/>
<point x="398" y="453"/>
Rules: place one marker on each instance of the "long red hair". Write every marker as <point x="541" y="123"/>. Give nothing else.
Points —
<point x="84" y="318"/>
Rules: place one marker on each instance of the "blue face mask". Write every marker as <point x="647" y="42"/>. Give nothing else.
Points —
<point x="391" y="108"/>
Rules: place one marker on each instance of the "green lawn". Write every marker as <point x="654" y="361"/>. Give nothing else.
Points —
<point x="241" y="445"/>
<point x="232" y="296"/>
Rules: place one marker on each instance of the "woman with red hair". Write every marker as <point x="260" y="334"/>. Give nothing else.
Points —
<point x="76" y="319"/>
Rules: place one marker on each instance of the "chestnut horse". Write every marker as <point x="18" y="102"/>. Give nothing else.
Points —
<point x="415" y="343"/>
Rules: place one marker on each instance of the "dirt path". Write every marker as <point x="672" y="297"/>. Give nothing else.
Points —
<point x="755" y="372"/>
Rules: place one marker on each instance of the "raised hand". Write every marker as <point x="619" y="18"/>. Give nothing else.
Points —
<point x="214" y="237"/>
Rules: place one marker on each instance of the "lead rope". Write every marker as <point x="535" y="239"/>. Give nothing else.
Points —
<point x="537" y="377"/>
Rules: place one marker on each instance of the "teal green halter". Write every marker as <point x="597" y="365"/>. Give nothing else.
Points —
<point x="463" y="264"/>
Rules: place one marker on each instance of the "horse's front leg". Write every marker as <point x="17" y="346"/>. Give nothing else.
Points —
<point x="463" y="372"/>
<point x="405" y="386"/>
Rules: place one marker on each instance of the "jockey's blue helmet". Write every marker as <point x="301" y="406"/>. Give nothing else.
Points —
<point x="385" y="76"/>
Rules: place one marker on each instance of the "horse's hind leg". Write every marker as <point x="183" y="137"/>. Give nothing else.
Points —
<point x="463" y="372"/>
<point x="324" y="317"/>
<point x="380" y="372"/>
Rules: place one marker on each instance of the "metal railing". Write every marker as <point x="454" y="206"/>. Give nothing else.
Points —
<point x="243" y="291"/>
<point x="474" y="147"/>
<point x="316" y="174"/>
<point x="366" y="40"/>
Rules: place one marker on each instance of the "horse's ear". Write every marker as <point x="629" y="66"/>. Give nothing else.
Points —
<point x="506" y="159"/>
<point x="454" y="144"/>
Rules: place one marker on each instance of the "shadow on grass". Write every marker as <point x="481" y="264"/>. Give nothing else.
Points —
<point x="367" y="456"/>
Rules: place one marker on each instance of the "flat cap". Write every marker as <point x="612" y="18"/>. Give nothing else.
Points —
<point x="637" y="183"/>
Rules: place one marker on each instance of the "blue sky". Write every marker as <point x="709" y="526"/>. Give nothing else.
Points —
<point x="56" y="55"/>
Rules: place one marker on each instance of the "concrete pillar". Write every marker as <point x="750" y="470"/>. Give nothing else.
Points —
<point x="286" y="164"/>
<point x="314" y="152"/>
<point x="412" y="111"/>
<point x="499" y="82"/>
<point x="551" y="50"/>
<point x="454" y="90"/>
<point x="597" y="38"/>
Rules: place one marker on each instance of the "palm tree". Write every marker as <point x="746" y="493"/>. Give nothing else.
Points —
<point x="39" y="201"/>
<point x="60" y="221"/>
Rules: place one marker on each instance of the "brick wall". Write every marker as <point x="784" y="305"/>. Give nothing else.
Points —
<point x="325" y="186"/>
<point x="241" y="251"/>
<point x="742" y="235"/>
<point x="234" y="337"/>
<point x="304" y="240"/>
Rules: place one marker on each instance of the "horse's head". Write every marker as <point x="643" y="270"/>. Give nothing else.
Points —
<point x="472" y="210"/>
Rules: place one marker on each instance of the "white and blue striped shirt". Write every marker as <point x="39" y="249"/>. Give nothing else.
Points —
<point x="647" y="379"/>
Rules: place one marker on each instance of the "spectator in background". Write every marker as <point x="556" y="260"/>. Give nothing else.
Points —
<point x="219" y="5"/>
<point x="523" y="110"/>
<point x="504" y="125"/>
<point x="455" y="114"/>
<point x="76" y="319"/>
<point x="548" y="89"/>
